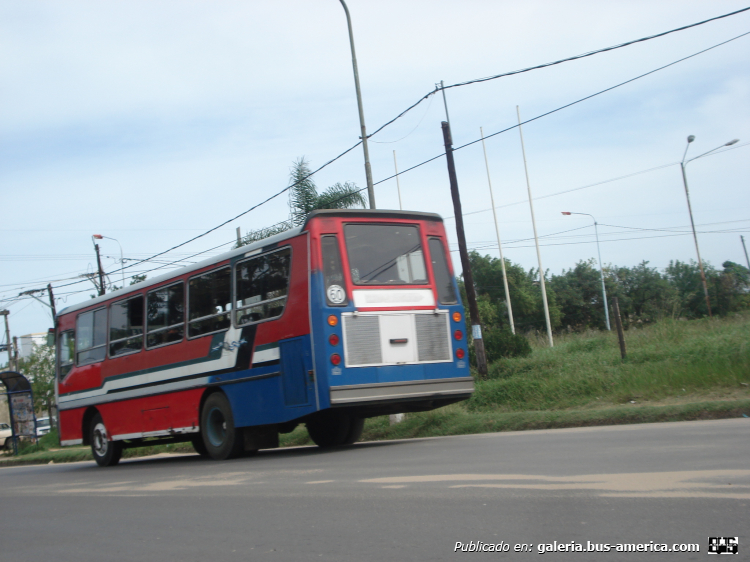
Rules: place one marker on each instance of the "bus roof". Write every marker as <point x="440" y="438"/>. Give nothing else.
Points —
<point x="260" y="244"/>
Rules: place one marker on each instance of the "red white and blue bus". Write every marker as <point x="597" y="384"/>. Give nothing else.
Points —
<point x="352" y="315"/>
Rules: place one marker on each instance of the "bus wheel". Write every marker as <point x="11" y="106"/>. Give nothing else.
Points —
<point x="106" y="452"/>
<point x="329" y="429"/>
<point x="356" y="425"/>
<point x="199" y="445"/>
<point x="221" y="439"/>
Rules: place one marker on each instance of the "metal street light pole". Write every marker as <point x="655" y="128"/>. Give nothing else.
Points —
<point x="368" y="171"/>
<point x="683" y="165"/>
<point x="601" y="268"/>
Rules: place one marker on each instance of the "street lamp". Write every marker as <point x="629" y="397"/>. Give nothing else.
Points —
<point x="683" y="165"/>
<point x="601" y="270"/>
<point x="368" y="171"/>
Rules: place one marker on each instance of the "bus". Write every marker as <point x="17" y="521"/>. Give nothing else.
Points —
<point x="354" y="314"/>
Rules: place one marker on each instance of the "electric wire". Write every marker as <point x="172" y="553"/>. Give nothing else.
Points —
<point x="467" y="144"/>
<point x="553" y="63"/>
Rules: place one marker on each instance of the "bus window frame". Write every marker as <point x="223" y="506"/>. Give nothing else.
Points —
<point x="422" y="239"/>
<point x="58" y="362"/>
<point x="187" y="304"/>
<point x="104" y="345"/>
<point x="235" y="309"/>
<point x="109" y="327"/>
<point x="446" y="256"/>
<point x="184" y="317"/>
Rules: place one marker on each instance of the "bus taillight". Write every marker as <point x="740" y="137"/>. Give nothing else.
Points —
<point x="333" y="339"/>
<point x="460" y="353"/>
<point x="458" y="334"/>
<point x="336" y="359"/>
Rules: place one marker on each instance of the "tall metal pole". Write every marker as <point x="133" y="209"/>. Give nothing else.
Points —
<point x="691" y="138"/>
<point x="601" y="267"/>
<point x="398" y="185"/>
<point x="497" y="232"/>
<point x="476" y="327"/>
<point x="536" y="238"/>
<point x="368" y="171"/>
<point x="745" y="248"/>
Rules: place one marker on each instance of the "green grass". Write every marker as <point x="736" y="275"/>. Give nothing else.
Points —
<point x="664" y="360"/>
<point x="675" y="370"/>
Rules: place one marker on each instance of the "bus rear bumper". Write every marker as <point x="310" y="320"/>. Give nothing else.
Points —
<point x="454" y="389"/>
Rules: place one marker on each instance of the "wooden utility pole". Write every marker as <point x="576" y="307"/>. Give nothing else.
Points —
<point x="101" y="273"/>
<point x="476" y="328"/>
<point x="52" y="305"/>
<point x="745" y="248"/>
<point x="618" y="323"/>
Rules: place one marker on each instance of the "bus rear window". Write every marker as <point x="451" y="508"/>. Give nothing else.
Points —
<point x="385" y="254"/>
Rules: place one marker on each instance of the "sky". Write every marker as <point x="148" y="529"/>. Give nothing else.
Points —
<point x="153" y="122"/>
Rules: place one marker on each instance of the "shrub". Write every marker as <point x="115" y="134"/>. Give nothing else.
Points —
<point x="501" y="343"/>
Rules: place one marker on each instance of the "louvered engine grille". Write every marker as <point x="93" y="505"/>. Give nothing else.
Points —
<point x="362" y="340"/>
<point x="432" y="337"/>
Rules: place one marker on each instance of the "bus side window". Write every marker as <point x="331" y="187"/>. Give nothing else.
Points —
<point x="91" y="336"/>
<point x="209" y="303"/>
<point x="262" y="284"/>
<point x="66" y="353"/>
<point x="165" y="315"/>
<point x="446" y="293"/>
<point x="126" y="326"/>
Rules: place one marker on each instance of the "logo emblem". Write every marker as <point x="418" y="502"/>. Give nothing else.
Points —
<point x="336" y="294"/>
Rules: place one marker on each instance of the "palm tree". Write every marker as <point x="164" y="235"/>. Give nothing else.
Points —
<point x="304" y="199"/>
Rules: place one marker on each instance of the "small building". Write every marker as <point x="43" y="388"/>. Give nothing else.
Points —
<point x="26" y="343"/>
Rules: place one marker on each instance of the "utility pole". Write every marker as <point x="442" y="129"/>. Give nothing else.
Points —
<point x="476" y="327"/>
<point x="497" y="232"/>
<point x="99" y="265"/>
<point x="745" y="248"/>
<point x="5" y="313"/>
<point x="536" y="238"/>
<point x="52" y="304"/>
<point x="368" y="170"/>
<point x="15" y="353"/>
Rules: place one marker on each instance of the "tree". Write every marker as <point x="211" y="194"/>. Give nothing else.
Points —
<point x="39" y="368"/>
<point x="645" y="295"/>
<point x="579" y="294"/>
<point x="525" y="293"/>
<point x="304" y="199"/>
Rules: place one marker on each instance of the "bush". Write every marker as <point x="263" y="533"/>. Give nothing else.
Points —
<point x="500" y="343"/>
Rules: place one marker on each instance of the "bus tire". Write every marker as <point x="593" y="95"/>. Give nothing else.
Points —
<point x="221" y="439"/>
<point x="356" y="425"/>
<point x="199" y="445"/>
<point x="106" y="452"/>
<point x="329" y="429"/>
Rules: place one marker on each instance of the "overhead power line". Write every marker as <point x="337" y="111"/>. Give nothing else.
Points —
<point x="583" y="55"/>
<point x="553" y="63"/>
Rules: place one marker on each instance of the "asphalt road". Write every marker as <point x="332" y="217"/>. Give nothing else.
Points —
<point x="400" y="500"/>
